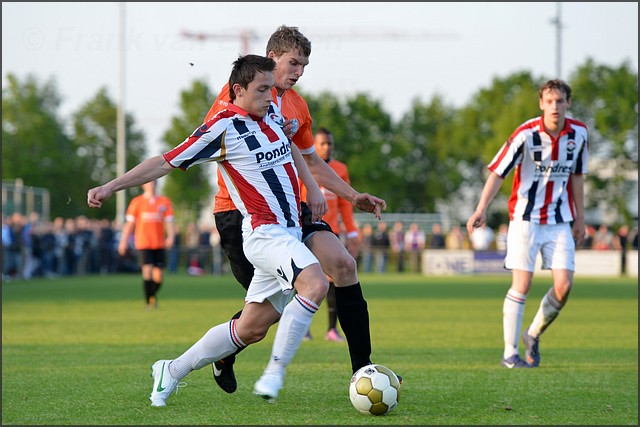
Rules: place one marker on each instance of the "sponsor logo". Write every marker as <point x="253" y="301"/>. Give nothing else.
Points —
<point x="274" y="154"/>
<point x="555" y="169"/>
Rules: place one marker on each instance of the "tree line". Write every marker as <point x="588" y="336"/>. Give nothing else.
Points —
<point x="433" y="159"/>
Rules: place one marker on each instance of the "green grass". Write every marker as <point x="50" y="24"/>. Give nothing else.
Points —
<point x="78" y="351"/>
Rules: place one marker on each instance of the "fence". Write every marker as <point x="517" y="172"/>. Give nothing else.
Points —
<point x="16" y="197"/>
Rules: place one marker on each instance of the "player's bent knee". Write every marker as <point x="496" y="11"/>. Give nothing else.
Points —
<point x="253" y="335"/>
<point x="313" y="285"/>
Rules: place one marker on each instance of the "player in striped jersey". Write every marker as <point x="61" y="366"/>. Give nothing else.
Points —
<point x="257" y="162"/>
<point x="291" y="49"/>
<point x="549" y="156"/>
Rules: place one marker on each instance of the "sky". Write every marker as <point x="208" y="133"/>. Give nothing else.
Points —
<point x="393" y="52"/>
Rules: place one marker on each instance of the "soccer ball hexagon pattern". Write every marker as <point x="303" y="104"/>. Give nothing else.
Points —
<point x="374" y="390"/>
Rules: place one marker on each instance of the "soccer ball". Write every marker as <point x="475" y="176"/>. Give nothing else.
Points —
<point x="374" y="390"/>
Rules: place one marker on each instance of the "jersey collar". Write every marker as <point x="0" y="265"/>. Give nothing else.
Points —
<point x="234" y="108"/>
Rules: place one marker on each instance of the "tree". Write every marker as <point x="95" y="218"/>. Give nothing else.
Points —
<point x="606" y="99"/>
<point x="189" y="191"/>
<point x="95" y="134"/>
<point x="35" y="146"/>
<point x="363" y="133"/>
<point x="424" y="158"/>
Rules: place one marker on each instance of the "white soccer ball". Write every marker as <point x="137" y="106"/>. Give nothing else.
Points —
<point x="374" y="390"/>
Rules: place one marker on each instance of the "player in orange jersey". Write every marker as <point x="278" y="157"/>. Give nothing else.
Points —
<point x="150" y="219"/>
<point x="290" y="49"/>
<point x="340" y="211"/>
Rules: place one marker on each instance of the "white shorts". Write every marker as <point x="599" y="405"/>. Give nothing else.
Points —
<point x="554" y="242"/>
<point x="278" y="255"/>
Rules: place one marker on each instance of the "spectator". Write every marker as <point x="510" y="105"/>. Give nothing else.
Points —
<point x="217" y="256"/>
<point x="381" y="245"/>
<point x="28" y="261"/>
<point x="620" y="243"/>
<point x="396" y="238"/>
<point x="366" y="250"/>
<point x="174" y="252"/>
<point x="456" y="239"/>
<point x="106" y="245"/>
<point x="192" y="244"/>
<point x="590" y="232"/>
<point x="414" y="243"/>
<point x="436" y="238"/>
<point x="603" y="239"/>
<point x="8" y="258"/>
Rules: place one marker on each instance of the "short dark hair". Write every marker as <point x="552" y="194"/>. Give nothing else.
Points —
<point x="245" y="69"/>
<point x="557" y="84"/>
<point x="326" y="132"/>
<point x="286" y="39"/>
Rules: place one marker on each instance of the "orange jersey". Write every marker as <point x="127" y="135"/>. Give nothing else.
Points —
<point x="149" y="216"/>
<point x="292" y="106"/>
<point x="339" y="208"/>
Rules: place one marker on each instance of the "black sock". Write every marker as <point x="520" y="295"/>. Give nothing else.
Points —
<point x="354" y="320"/>
<point x="148" y="289"/>
<point x="156" y="287"/>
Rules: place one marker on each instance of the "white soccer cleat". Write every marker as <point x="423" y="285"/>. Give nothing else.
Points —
<point x="163" y="383"/>
<point x="268" y="386"/>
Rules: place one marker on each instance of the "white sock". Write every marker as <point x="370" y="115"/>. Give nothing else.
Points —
<point x="512" y="314"/>
<point x="219" y="342"/>
<point x="547" y="312"/>
<point x="292" y="327"/>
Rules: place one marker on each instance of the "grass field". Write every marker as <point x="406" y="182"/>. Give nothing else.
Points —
<point x="78" y="351"/>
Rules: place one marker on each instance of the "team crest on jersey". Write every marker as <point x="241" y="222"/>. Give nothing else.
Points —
<point x="277" y="118"/>
<point x="571" y="146"/>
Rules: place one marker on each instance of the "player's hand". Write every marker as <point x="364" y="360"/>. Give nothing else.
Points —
<point x="290" y="127"/>
<point x="317" y="203"/>
<point x="579" y="232"/>
<point x="96" y="195"/>
<point x="368" y="203"/>
<point x="122" y="248"/>
<point x="476" y="220"/>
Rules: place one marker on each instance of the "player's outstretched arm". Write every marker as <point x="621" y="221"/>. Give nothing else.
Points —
<point x="149" y="170"/>
<point x="329" y="179"/>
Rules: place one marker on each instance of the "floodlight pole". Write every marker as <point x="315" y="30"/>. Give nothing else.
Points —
<point x="557" y="21"/>
<point x="120" y="120"/>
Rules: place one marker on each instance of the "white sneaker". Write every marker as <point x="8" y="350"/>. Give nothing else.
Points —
<point x="268" y="386"/>
<point x="163" y="383"/>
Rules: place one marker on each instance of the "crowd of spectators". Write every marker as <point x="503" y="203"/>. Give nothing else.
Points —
<point x="32" y="247"/>
<point x="80" y="246"/>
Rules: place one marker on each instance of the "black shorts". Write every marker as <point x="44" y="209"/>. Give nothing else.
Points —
<point x="155" y="257"/>
<point x="229" y="225"/>
<point x="308" y="227"/>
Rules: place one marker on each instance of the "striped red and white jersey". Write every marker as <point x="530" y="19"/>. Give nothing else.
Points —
<point x="254" y="157"/>
<point x="541" y="187"/>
